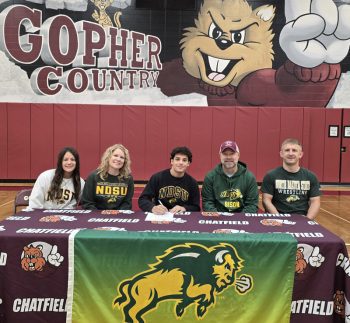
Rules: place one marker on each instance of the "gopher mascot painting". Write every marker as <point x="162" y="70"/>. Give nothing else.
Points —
<point x="228" y="55"/>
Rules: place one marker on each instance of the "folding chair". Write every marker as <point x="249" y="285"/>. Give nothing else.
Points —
<point x="22" y="198"/>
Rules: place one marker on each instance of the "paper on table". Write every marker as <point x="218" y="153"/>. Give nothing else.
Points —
<point x="166" y="217"/>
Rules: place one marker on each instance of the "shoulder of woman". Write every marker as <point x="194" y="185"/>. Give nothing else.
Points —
<point x="127" y="178"/>
<point x="47" y="174"/>
<point x="93" y="174"/>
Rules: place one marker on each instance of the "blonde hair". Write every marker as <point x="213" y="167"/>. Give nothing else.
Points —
<point x="292" y="141"/>
<point x="102" y="169"/>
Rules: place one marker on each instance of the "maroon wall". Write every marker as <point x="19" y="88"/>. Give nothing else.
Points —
<point x="32" y="134"/>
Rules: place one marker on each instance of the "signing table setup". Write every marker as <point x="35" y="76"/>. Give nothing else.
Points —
<point x="83" y="266"/>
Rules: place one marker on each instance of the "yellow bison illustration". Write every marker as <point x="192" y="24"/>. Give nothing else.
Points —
<point x="188" y="274"/>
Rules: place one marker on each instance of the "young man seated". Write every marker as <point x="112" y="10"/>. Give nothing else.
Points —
<point x="172" y="190"/>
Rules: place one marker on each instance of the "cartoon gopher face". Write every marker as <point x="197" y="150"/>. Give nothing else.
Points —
<point x="300" y="263"/>
<point x="33" y="259"/>
<point x="229" y="42"/>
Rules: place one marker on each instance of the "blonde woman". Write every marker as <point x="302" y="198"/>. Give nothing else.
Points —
<point x="110" y="186"/>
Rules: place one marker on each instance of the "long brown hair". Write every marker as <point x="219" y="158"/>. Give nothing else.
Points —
<point x="54" y="190"/>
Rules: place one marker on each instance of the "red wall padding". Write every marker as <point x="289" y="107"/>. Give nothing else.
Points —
<point x="345" y="156"/>
<point x="18" y="144"/>
<point x="267" y="150"/>
<point x="64" y="126"/>
<point x="313" y="140"/>
<point x="200" y="139"/>
<point x="3" y="140"/>
<point x="157" y="140"/>
<point x="31" y="135"/>
<point x="292" y="123"/>
<point x="332" y="145"/>
<point x="223" y="127"/>
<point x="246" y="135"/>
<point x="134" y="138"/>
<point x="88" y="136"/>
<point x="41" y="138"/>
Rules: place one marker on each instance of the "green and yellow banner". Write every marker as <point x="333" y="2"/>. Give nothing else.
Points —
<point x="139" y="277"/>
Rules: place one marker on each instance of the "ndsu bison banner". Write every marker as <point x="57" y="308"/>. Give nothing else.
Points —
<point x="167" y="277"/>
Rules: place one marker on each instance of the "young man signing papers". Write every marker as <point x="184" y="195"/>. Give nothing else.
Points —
<point x="172" y="190"/>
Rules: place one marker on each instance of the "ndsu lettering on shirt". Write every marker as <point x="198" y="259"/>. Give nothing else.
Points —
<point x="292" y="185"/>
<point x="118" y="189"/>
<point x="173" y="191"/>
<point x="64" y="195"/>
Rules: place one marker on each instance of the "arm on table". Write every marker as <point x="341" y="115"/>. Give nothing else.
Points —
<point x="208" y="196"/>
<point x="251" y="200"/>
<point x="39" y="191"/>
<point x="127" y="202"/>
<point x="267" y="203"/>
<point x="147" y="198"/>
<point x="193" y="201"/>
<point x="88" y="197"/>
<point x="315" y="204"/>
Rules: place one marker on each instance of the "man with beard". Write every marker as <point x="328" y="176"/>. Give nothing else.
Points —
<point x="291" y="188"/>
<point x="230" y="186"/>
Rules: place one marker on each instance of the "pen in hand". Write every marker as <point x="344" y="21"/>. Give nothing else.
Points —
<point x="159" y="209"/>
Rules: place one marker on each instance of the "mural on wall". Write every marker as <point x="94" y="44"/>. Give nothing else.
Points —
<point x="229" y="52"/>
<point x="101" y="16"/>
<point x="224" y="52"/>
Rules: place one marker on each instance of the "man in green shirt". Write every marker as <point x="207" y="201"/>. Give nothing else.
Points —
<point x="230" y="186"/>
<point x="291" y="188"/>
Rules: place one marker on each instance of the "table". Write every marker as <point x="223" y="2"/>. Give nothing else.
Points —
<point x="209" y="266"/>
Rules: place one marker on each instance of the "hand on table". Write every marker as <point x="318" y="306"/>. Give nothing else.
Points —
<point x="177" y="209"/>
<point x="159" y="209"/>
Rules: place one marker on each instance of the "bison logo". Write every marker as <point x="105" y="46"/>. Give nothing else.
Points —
<point x="187" y="274"/>
<point x="292" y="198"/>
<point x="233" y="194"/>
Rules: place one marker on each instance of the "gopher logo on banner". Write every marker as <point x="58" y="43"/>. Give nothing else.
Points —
<point x="188" y="274"/>
<point x="37" y="255"/>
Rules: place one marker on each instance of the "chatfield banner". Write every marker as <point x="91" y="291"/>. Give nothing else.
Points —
<point x="138" y="277"/>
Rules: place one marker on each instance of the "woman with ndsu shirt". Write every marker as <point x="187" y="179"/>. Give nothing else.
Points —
<point x="110" y="186"/>
<point x="59" y="188"/>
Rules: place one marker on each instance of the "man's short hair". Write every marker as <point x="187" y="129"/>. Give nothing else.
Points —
<point x="183" y="151"/>
<point x="292" y="141"/>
